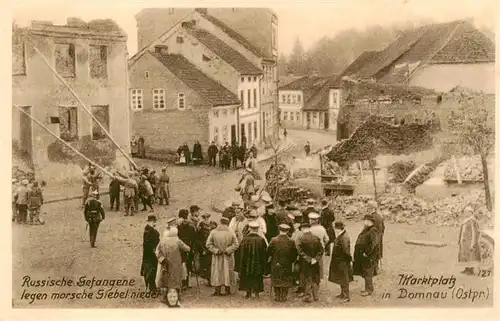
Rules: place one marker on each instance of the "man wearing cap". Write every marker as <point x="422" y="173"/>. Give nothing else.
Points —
<point x="320" y="232"/>
<point x="187" y="234"/>
<point x="230" y="211"/>
<point x="222" y="243"/>
<point x="252" y="263"/>
<point x="340" y="264"/>
<point x="151" y="238"/>
<point x="35" y="201"/>
<point x="309" y="209"/>
<point x="94" y="214"/>
<point x="205" y="257"/>
<point x="326" y="220"/>
<point x="22" y="201"/>
<point x="310" y="252"/>
<point x="129" y="192"/>
<point x="366" y="254"/>
<point x="380" y="226"/>
<point x="282" y="254"/>
<point x="164" y="189"/>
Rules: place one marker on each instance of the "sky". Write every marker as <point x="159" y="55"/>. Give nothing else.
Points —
<point x="308" y="20"/>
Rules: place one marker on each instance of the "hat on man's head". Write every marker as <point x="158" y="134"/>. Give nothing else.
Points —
<point x="14" y="180"/>
<point x="164" y="169"/>
<point x="369" y="217"/>
<point x="151" y="218"/>
<point x="324" y="202"/>
<point x="235" y="203"/>
<point x="313" y="216"/>
<point x="339" y="225"/>
<point x="172" y="221"/>
<point x="194" y="208"/>
<point x="25" y="182"/>
<point x="253" y="224"/>
<point x="224" y="220"/>
<point x="284" y="227"/>
<point x="183" y="213"/>
<point x="291" y="216"/>
<point x="311" y="201"/>
<point x="253" y="213"/>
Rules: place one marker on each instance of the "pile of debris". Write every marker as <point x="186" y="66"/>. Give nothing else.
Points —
<point x="306" y="173"/>
<point x="470" y="169"/>
<point x="277" y="177"/>
<point x="399" y="171"/>
<point x="411" y="210"/>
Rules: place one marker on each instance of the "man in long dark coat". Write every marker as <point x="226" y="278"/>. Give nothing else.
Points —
<point x="197" y="153"/>
<point x="310" y="253"/>
<point x="380" y="226"/>
<point x="309" y="209"/>
<point x="235" y="152"/>
<point x="282" y="253"/>
<point x="187" y="153"/>
<point x="252" y="264"/>
<point x="204" y="229"/>
<point x="366" y="254"/>
<point x="340" y="264"/>
<point x="212" y="154"/>
<point x="271" y="223"/>
<point x="327" y="219"/>
<point x="151" y="238"/>
<point x="187" y="234"/>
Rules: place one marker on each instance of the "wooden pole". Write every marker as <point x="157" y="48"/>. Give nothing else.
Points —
<point x="374" y="181"/>
<point x="61" y="79"/>
<point x="65" y="143"/>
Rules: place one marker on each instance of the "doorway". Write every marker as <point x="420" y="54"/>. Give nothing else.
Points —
<point x="327" y="120"/>
<point x="26" y="135"/>
<point x="233" y="134"/>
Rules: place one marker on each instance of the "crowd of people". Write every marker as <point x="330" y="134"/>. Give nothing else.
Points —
<point x="250" y="243"/>
<point x="225" y="156"/>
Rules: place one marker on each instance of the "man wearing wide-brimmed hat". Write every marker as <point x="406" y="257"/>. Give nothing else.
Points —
<point x="151" y="238"/>
<point x="366" y="254"/>
<point x="94" y="214"/>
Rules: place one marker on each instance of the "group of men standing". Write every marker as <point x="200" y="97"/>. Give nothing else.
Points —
<point x="27" y="200"/>
<point x="230" y="155"/>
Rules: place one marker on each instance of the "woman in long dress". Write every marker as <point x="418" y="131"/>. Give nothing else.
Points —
<point x="469" y="253"/>
<point x="171" y="269"/>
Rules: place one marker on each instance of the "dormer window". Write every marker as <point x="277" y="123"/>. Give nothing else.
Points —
<point x="146" y="74"/>
<point x="180" y="39"/>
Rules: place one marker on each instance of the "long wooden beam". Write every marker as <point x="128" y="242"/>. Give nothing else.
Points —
<point x="61" y="79"/>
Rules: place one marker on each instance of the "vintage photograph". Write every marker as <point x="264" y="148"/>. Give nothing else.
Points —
<point x="330" y="155"/>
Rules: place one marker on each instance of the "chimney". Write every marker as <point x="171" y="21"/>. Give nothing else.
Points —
<point x="202" y="10"/>
<point x="161" y="49"/>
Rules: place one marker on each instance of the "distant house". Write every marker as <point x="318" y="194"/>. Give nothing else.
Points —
<point x="234" y="46"/>
<point x="438" y="56"/>
<point x="174" y="102"/>
<point x="310" y="102"/>
<point x="92" y="59"/>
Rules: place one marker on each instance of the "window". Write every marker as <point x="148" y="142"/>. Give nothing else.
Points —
<point x="216" y="114"/>
<point x="65" y="60"/>
<point x="233" y="111"/>
<point x="98" y="61"/>
<point x="299" y="98"/>
<point x="263" y="91"/>
<point x="180" y="39"/>
<point x="216" y="135"/>
<point x="291" y="115"/>
<point x="285" y="115"/>
<point x="294" y="99"/>
<point x="249" y="96"/>
<point x="68" y="123"/>
<point x="101" y="113"/>
<point x="136" y="99"/>
<point x="224" y="113"/>
<point x="181" y="101"/>
<point x="146" y="74"/>
<point x="18" y="57"/>
<point x="315" y="117"/>
<point x="250" y="132"/>
<point x="249" y="79"/>
<point x="205" y="58"/>
<point x="255" y="98"/>
<point x="255" y="130"/>
<point x="297" y="116"/>
<point x="255" y="79"/>
<point x="225" y="133"/>
<point x="159" y="99"/>
<point x="283" y="98"/>
<point x="288" y="98"/>
<point x="242" y="98"/>
<point x="308" y="116"/>
<point x="242" y="79"/>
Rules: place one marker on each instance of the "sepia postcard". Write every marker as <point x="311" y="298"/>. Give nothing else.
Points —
<point x="326" y="155"/>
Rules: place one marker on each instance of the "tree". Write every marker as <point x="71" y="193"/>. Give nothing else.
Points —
<point x="473" y="132"/>
<point x="282" y="65"/>
<point x="297" y="62"/>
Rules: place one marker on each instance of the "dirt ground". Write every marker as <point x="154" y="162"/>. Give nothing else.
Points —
<point x="60" y="248"/>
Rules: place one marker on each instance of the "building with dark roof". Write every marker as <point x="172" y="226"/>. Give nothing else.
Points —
<point x="240" y="37"/>
<point x="310" y="102"/>
<point x="175" y="102"/>
<point x="91" y="57"/>
<point x="438" y="56"/>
